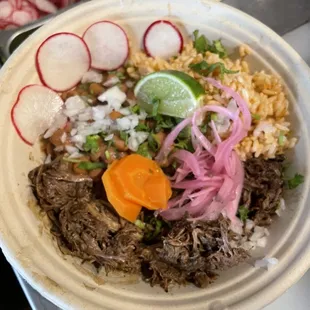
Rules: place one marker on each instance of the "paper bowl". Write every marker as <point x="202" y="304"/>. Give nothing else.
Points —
<point x="24" y="238"/>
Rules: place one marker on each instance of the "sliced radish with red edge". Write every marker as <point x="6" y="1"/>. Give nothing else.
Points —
<point x="21" y="17"/>
<point x="108" y="45"/>
<point x="61" y="61"/>
<point x="34" y="111"/>
<point x="6" y="9"/>
<point x="162" y="39"/>
<point x="44" y="6"/>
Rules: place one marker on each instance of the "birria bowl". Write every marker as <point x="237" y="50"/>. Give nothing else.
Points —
<point x="24" y="236"/>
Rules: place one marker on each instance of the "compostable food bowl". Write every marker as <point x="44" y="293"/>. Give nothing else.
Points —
<point x="24" y="236"/>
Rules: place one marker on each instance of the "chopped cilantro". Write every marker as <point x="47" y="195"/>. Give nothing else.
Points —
<point x="153" y="143"/>
<point x="256" y="116"/>
<point x="218" y="48"/>
<point x="281" y="138"/>
<point x="155" y="103"/>
<point x="135" y="109"/>
<point x="295" y="181"/>
<point x="84" y="86"/>
<point x="140" y="224"/>
<point x="214" y="116"/>
<point x="205" y="69"/>
<point x="88" y="165"/>
<point x="185" y="144"/>
<point x="107" y="154"/>
<point x="71" y="160"/>
<point x="92" y="144"/>
<point x="201" y="43"/>
<point x="120" y="75"/>
<point x="144" y="151"/>
<point x="163" y="121"/>
<point x="243" y="213"/>
<point x="142" y="127"/>
<point x="124" y="136"/>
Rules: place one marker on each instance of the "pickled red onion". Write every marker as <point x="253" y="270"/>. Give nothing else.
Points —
<point x="217" y="169"/>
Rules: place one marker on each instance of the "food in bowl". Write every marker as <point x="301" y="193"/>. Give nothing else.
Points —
<point x="167" y="162"/>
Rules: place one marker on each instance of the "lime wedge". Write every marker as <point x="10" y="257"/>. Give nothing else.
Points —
<point x="176" y="93"/>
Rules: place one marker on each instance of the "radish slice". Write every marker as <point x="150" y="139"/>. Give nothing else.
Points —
<point x="108" y="45"/>
<point x="162" y="39"/>
<point x="34" y="111"/>
<point x="18" y="4"/>
<point x="61" y="60"/>
<point x="21" y="17"/>
<point x="44" y="6"/>
<point x="27" y="7"/>
<point x="6" y="9"/>
<point x="10" y="26"/>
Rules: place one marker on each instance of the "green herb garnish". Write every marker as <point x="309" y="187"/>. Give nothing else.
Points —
<point x="107" y="154"/>
<point x="153" y="142"/>
<point x="142" y="127"/>
<point x="153" y="229"/>
<point x="256" y="116"/>
<point x="155" y="106"/>
<point x="184" y="144"/>
<point x="71" y="160"/>
<point x="205" y="69"/>
<point x="140" y="224"/>
<point x="88" y="165"/>
<point x="92" y="144"/>
<point x="84" y="86"/>
<point x="295" y="181"/>
<point x="281" y="138"/>
<point x="124" y="136"/>
<point x="164" y="122"/>
<point x="201" y="43"/>
<point x="144" y="151"/>
<point x="214" y="117"/>
<point x="135" y="109"/>
<point x="120" y="75"/>
<point x="243" y="213"/>
<point x="218" y="48"/>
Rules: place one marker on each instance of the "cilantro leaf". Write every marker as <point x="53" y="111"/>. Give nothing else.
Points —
<point x="184" y="144"/>
<point x="142" y="127"/>
<point x="155" y="103"/>
<point x="88" y="165"/>
<point x="124" y="136"/>
<point x="135" y="109"/>
<point x="256" y="116"/>
<point x="295" y="181"/>
<point x="153" y="143"/>
<point x="144" y="151"/>
<point x="218" y="48"/>
<point x="201" y="43"/>
<point x="92" y="144"/>
<point x="205" y="69"/>
<point x="243" y="213"/>
<point x="281" y="138"/>
<point x="164" y="122"/>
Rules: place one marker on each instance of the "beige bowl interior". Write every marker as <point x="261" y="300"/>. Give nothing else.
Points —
<point x="25" y="240"/>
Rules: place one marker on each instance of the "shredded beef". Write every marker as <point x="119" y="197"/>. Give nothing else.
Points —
<point x="87" y="227"/>
<point x="55" y="185"/>
<point x="263" y="188"/>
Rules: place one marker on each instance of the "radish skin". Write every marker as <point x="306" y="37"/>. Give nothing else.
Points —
<point x="34" y="111"/>
<point x="108" y="45"/>
<point x="162" y="39"/>
<point x="62" y="60"/>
